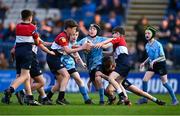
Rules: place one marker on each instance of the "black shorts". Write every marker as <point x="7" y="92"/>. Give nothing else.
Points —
<point x="159" y="68"/>
<point x="24" y="56"/>
<point x="92" y="73"/>
<point x="126" y="83"/>
<point x="35" y="67"/>
<point x="122" y="65"/>
<point x="54" y="63"/>
<point x="71" y="71"/>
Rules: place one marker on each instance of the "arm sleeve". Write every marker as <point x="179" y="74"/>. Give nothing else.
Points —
<point x="62" y="41"/>
<point x="35" y="33"/>
<point x="161" y="51"/>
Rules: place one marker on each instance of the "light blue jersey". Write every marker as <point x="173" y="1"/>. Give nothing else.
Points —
<point x="67" y="60"/>
<point x="94" y="57"/>
<point x="154" y="50"/>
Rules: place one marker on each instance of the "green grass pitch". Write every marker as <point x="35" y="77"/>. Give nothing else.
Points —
<point x="77" y="107"/>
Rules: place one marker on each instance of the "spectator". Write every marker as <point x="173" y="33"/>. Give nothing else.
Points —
<point x="169" y="55"/>
<point x="164" y="33"/>
<point x="3" y="61"/>
<point x="75" y="11"/>
<point x="171" y="21"/>
<point x="103" y="8"/>
<point x="88" y="10"/>
<point x="3" y="9"/>
<point x="175" y="36"/>
<point x="118" y="8"/>
<point x="2" y="31"/>
<point x="46" y="29"/>
<point x="132" y="55"/>
<point x="10" y="33"/>
<point x="140" y="29"/>
<point x="97" y="20"/>
<point x="113" y="19"/>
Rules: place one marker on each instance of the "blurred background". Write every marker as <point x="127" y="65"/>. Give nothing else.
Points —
<point x="133" y="15"/>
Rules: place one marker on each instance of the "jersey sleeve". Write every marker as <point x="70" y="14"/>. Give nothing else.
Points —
<point x="161" y="51"/>
<point x="103" y="39"/>
<point x="81" y="42"/>
<point x="62" y="41"/>
<point x="35" y="33"/>
<point x="114" y="41"/>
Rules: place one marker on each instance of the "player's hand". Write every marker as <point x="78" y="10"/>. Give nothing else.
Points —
<point x="87" y="46"/>
<point x="12" y="52"/>
<point x="84" y="65"/>
<point x="141" y="65"/>
<point x="98" y="45"/>
<point x="52" y="53"/>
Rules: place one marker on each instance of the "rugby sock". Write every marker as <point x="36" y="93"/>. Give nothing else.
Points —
<point x="50" y="94"/>
<point x="144" y="86"/>
<point x="101" y="94"/>
<point x="11" y="89"/>
<point x="121" y="95"/>
<point x="154" y="99"/>
<point x="61" y="95"/>
<point x="84" y="93"/>
<point x="169" y="88"/>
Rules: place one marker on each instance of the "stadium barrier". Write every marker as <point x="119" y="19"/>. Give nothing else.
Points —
<point x="154" y="85"/>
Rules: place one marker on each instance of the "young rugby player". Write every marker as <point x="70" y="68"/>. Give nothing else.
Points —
<point x="156" y="59"/>
<point x="61" y="48"/>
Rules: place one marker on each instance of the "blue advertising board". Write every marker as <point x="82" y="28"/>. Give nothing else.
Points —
<point x="154" y="85"/>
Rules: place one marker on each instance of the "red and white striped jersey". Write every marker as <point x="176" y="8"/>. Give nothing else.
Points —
<point x="61" y="40"/>
<point x="26" y="33"/>
<point x="119" y="46"/>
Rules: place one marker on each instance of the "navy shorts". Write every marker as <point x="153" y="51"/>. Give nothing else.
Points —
<point x="71" y="71"/>
<point x="126" y="83"/>
<point x="35" y="67"/>
<point x="92" y="73"/>
<point x="24" y="56"/>
<point x="122" y="65"/>
<point x="54" y="63"/>
<point x="159" y="68"/>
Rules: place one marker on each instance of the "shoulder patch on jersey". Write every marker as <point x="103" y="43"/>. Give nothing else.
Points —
<point x="63" y="39"/>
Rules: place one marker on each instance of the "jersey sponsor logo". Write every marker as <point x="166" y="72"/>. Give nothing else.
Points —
<point x="63" y="39"/>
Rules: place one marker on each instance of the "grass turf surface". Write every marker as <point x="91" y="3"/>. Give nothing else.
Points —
<point x="77" y="107"/>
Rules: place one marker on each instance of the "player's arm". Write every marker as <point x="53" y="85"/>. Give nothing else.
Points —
<point x="39" y="43"/>
<point x="143" y="63"/>
<point x="105" y="44"/>
<point x="79" y="60"/>
<point x="86" y="46"/>
<point x="45" y="43"/>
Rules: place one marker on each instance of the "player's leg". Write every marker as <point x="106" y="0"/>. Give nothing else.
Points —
<point x="142" y="93"/>
<point x="112" y="80"/>
<point x="148" y="75"/>
<point x="24" y="77"/>
<point x="38" y="82"/>
<point x="62" y="78"/>
<point x="170" y="90"/>
<point x="38" y="85"/>
<point x="81" y="86"/>
<point x="100" y="87"/>
<point x="61" y="74"/>
<point x="54" y="89"/>
<point x="109" y="92"/>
